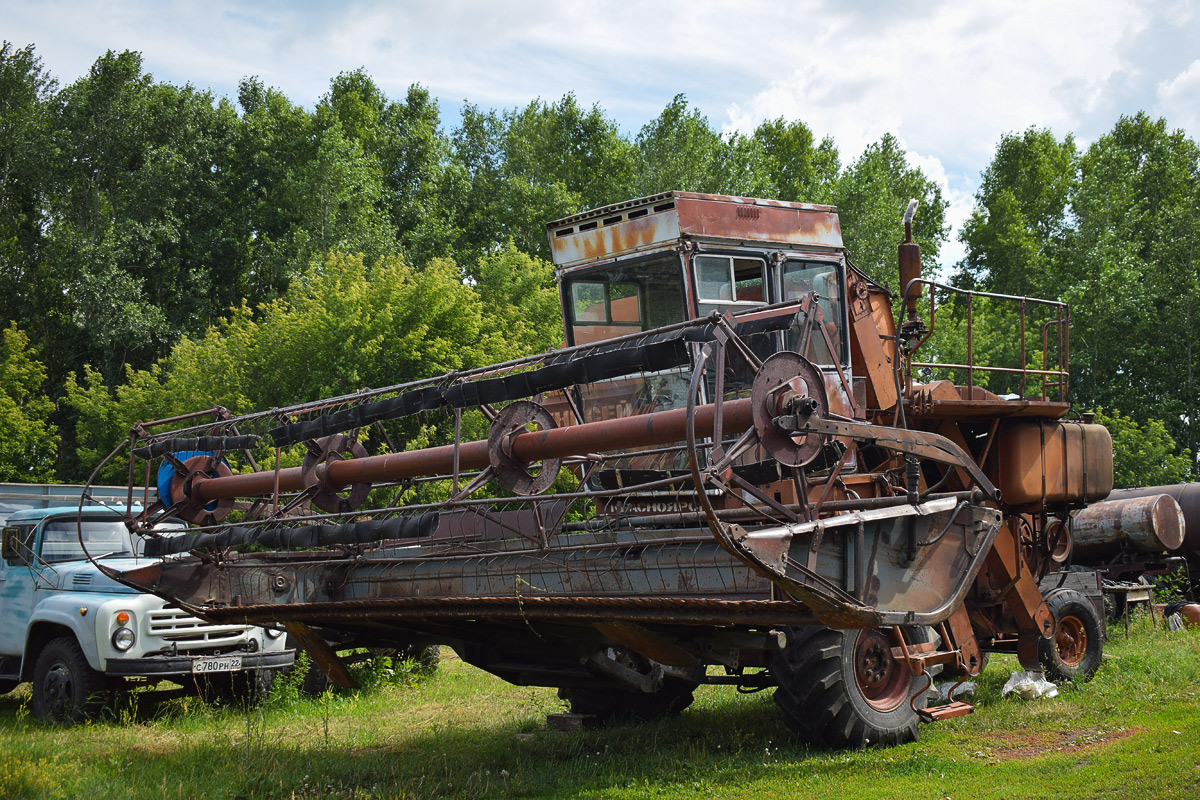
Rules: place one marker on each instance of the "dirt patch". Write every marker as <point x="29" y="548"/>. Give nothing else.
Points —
<point x="1018" y="745"/>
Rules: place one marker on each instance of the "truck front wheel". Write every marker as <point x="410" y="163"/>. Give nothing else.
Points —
<point x="841" y="689"/>
<point x="65" y="689"/>
<point x="1074" y="652"/>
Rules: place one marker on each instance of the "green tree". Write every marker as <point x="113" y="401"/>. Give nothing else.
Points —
<point x="1134" y="276"/>
<point x="871" y="195"/>
<point x="25" y="90"/>
<point x="679" y="150"/>
<point x="512" y="172"/>
<point x="796" y="169"/>
<point x="28" y="439"/>
<point x="1014" y="235"/>
<point x="1144" y="455"/>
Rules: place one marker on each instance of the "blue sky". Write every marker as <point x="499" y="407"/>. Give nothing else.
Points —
<point x="947" y="78"/>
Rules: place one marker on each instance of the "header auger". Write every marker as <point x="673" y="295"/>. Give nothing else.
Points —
<point x="730" y="467"/>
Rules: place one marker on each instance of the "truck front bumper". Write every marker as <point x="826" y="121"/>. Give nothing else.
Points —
<point x="166" y="666"/>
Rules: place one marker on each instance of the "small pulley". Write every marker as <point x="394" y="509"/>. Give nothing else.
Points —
<point x="325" y="495"/>
<point x="197" y="469"/>
<point x="788" y="383"/>
<point x="515" y="419"/>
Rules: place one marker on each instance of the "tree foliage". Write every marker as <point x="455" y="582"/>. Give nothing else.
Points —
<point x="163" y="248"/>
<point x="28" y="439"/>
<point x="1113" y="232"/>
<point x="1144" y="455"/>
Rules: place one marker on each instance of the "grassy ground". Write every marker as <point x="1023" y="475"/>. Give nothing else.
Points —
<point x="1132" y="732"/>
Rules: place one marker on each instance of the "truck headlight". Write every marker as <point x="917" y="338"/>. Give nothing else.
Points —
<point x="123" y="639"/>
<point x="274" y="633"/>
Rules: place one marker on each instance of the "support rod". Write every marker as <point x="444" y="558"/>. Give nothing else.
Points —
<point x="661" y="427"/>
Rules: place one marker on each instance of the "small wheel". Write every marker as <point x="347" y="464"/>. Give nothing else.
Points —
<point x="840" y="689"/>
<point x="65" y="689"/>
<point x="1075" y="649"/>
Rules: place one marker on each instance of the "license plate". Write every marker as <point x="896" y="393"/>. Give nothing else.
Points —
<point x="221" y="664"/>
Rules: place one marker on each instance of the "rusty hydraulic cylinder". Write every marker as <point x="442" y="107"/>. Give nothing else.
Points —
<point x="659" y="428"/>
<point x="1146" y="524"/>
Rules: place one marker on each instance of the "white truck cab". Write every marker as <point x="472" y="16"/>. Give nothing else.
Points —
<point x="77" y="634"/>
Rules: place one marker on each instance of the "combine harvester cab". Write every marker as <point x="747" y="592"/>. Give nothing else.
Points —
<point x="729" y="474"/>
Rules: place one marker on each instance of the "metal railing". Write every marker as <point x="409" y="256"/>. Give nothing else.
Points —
<point x="1054" y="376"/>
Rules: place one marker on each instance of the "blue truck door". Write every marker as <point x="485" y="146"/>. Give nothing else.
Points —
<point x="17" y="585"/>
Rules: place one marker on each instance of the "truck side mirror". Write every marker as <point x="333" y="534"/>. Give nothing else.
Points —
<point x="9" y="545"/>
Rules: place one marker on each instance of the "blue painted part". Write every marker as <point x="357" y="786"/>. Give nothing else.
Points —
<point x="166" y="473"/>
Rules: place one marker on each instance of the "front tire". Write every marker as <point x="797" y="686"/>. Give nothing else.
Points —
<point x="843" y="689"/>
<point x="1075" y="650"/>
<point x="66" y="690"/>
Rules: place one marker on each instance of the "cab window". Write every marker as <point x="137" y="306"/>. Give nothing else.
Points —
<point x="823" y="281"/>
<point x="728" y="280"/>
<point x="604" y="310"/>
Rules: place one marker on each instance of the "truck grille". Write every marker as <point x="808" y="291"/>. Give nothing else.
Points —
<point x="182" y="628"/>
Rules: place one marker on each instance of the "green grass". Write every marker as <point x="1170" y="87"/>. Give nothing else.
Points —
<point x="1132" y="732"/>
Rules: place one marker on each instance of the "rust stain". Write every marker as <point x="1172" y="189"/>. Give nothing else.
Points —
<point x="1014" y="746"/>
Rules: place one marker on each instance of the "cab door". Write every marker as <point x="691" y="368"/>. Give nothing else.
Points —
<point x="18" y="585"/>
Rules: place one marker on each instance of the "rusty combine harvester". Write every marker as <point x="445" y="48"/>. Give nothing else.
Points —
<point x="730" y="474"/>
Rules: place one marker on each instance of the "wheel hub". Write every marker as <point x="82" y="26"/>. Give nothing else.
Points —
<point x="880" y="679"/>
<point x="1070" y="640"/>
<point x="57" y="690"/>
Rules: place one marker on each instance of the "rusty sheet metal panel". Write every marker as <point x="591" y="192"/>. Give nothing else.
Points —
<point x="1052" y="462"/>
<point x="658" y="221"/>
<point x="747" y="219"/>
<point x="902" y="565"/>
<point x="594" y="241"/>
<point x="681" y="566"/>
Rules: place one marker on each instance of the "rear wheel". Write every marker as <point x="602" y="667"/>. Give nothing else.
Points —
<point x="841" y="689"/>
<point x="65" y="689"/>
<point x="1075" y="650"/>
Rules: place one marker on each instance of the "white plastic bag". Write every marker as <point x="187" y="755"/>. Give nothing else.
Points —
<point x="941" y="691"/>
<point x="1029" y="685"/>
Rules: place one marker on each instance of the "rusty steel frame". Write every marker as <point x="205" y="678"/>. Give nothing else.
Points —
<point x="1061" y="321"/>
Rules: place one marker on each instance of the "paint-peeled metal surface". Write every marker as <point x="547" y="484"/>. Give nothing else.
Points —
<point x="615" y="239"/>
<point x="661" y="220"/>
<point x="1188" y="497"/>
<point x="741" y="219"/>
<point x="1147" y="524"/>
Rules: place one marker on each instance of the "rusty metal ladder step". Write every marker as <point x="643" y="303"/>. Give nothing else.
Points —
<point x="955" y="708"/>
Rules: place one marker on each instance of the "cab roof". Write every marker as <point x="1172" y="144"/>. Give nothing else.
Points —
<point x="662" y="220"/>
<point x="38" y="514"/>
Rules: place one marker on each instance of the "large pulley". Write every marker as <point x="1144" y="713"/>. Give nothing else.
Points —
<point x="197" y="469"/>
<point x="325" y="494"/>
<point x="788" y="383"/>
<point x="519" y="417"/>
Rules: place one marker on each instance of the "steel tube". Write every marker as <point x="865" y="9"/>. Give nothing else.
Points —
<point x="1148" y="524"/>
<point x="662" y="427"/>
<point x="1188" y="497"/>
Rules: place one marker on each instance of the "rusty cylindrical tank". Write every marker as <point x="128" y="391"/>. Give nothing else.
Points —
<point x="1147" y="524"/>
<point x="1188" y="497"/>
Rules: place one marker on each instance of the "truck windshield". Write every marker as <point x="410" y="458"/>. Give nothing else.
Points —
<point x="60" y="540"/>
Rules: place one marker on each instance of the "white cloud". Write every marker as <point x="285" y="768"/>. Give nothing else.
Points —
<point x="1178" y="99"/>
<point x="947" y="78"/>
